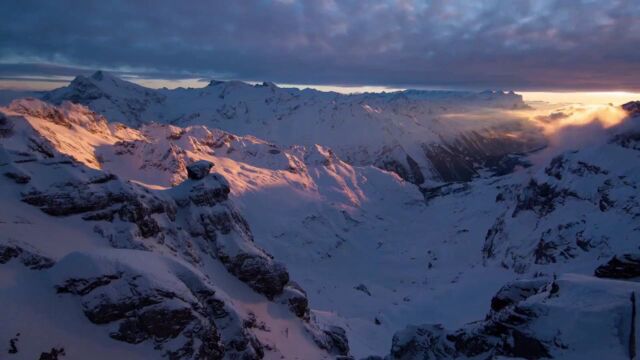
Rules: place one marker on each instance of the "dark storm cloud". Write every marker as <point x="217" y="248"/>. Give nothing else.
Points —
<point x="536" y="44"/>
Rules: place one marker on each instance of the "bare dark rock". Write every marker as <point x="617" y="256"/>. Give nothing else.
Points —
<point x="296" y="299"/>
<point x="158" y="324"/>
<point x="363" y="288"/>
<point x="6" y="126"/>
<point x="18" y="177"/>
<point x="27" y="258"/>
<point x="106" y="311"/>
<point x="494" y="238"/>
<point x="505" y="331"/>
<point x="541" y="198"/>
<point x="101" y="199"/>
<point x="632" y="107"/>
<point x="421" y="342"/>
<point x="209" y="195"/>
<point x="515" y="292"/>
<point x="408" y="170"/>
<point x="262" y="275"/>
<point x="183" y="329"/>
<point x="199" y="169"/>
<point x="13" y="344"/>
<point x="333" y="340"/>
<point x="83" y="286"/>
<point x="626" y="266"/>
<point x="53" y="354"/>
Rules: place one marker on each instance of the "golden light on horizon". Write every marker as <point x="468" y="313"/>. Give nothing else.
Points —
<point x="581" y="97"/>
<point x="554" y="97"/>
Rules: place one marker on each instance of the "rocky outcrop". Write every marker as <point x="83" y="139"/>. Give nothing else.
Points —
<point x="515" y="292"/>
<point x="199" y="207"/>
<point x="199" y="169"/>
<point x="18" y="177"/>
<point x="102" y="198"/>
<point x="6" y="126"/>
<point x="541" y="198"/>
<point x="205" y="203"/>
<point x="524" y="322"/>
<point x="259" y="272"/>
<point x="632" y="107"/>
<point x="176" y="310"/>
<point x="296" y="299"/>
<point x="332" y="339"/>
<point x="53" y="354"/>
<point x="27" y="258"/>
<point x="626" y="266"/>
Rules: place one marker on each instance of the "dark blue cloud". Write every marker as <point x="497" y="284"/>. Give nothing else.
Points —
<point x="535" y="44"/>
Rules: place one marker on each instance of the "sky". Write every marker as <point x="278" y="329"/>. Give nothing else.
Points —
<point x="532" y="46"/>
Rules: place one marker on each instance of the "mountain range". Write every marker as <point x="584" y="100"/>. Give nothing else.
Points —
<point x="244" y="221"/>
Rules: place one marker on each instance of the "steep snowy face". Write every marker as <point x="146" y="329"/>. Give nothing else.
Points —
<point x="187" y="281"/>
<point x="117" y="99"/>
<point x="433" y="136"/>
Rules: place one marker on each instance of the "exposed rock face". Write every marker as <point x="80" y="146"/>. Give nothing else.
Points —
<point x="626" y="266"/>
<point x="18" y="176"/>
<point x="205" y="203"/>
<point x="396" y="159"/>
<point x="541" y="198"/>
<point x="53" y="354"/>
<point x="296" y="299"/>
<point x="515" y="292"/>
<point x="199" y="169"/>
<point x="421" y="342"/>
<point x="262" y="274"/>
<point x="27" y="258"/>
<point x="460" y="159"/>
<point x="177" y="310"/>
<point x="522" y="324"/>
<point x="632" y="107"/>
<point x="102" y="198"/>
<point x="549" y="218"/>
<point x="333" y="339"/>
<point x="6" y="126"/>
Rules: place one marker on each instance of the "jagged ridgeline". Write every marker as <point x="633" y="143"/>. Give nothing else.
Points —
<point x="423" y="136"/>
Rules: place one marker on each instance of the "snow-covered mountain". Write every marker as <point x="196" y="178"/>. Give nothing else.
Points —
<point x="423" y="136"/>
<point x="290" y="246"/>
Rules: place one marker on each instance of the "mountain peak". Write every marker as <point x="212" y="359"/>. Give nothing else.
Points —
<point x="215" y="82"/>
<point x="268" y="84"/>
<point x="632" y="107"/>
<point x="98" y="75"/>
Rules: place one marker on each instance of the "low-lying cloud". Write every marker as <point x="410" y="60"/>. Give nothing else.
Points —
<point x="576" y="126"/>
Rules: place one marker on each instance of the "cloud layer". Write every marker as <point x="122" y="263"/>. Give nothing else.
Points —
<point x="523" y="44"/>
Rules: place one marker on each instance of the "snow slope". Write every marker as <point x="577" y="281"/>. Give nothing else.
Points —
<point x="186" y="280"/>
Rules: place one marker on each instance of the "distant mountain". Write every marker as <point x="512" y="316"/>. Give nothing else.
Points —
<point x="423" y="136"/>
